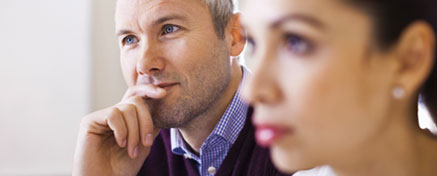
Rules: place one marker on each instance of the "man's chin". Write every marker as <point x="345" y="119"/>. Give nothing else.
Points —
<point x="167" y="124"/>
<point x="168" y="120"/>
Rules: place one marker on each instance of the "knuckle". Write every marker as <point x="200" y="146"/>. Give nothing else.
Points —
<point x="91" y="118"/>
<point x="113" y="113"/>
<point x="115" y="119"/>
<point x="127" y="108"/>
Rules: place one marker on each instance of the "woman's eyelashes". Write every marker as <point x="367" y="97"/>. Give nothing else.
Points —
<point x="297" y="44"/>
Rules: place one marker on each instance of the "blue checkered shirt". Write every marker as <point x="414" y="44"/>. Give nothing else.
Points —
<point x="216" y="146"/>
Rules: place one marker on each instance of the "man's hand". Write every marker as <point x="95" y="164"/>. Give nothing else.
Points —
<point x="117" y="140"/>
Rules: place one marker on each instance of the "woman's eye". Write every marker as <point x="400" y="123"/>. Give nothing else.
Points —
<point x="297" y="44"/>
<point x="170" y="29"/>
<point x="129" y="40"/>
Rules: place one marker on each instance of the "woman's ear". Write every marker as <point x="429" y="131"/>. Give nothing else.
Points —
<point x="414" y="56"/>
<point x="237" y="39"/>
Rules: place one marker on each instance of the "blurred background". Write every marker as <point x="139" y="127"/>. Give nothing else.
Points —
<point x="59" y="61"/>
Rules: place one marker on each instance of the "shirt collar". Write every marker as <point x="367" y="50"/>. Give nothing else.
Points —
<point x="233" y="119"/>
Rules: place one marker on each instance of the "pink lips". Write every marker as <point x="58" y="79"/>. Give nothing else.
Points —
<point x="265" y="134"/>
<point x="166" y="86"/>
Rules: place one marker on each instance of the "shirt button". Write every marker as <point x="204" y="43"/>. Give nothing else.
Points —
<point x="187" y="156"/>
<point x="212" y="170"/>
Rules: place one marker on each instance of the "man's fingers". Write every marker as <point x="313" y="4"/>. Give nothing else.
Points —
<point x="144" y="119"/>
<point x="130" y="117"/>
<point x="107" y="120"/>
<point x="116" y="122"/>
<point x="131" y="120"/>
<point x="145" y="91"/>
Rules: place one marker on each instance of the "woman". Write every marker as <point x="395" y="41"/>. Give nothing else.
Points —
<point x="337" y="82"/>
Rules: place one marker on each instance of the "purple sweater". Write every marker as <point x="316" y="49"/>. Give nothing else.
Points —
<point x="243" y="158"/>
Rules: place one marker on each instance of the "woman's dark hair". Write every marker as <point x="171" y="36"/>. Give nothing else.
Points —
<point x="391" y="18"/>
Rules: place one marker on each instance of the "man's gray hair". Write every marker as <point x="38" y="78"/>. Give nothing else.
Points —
<point x="221" y="12"/>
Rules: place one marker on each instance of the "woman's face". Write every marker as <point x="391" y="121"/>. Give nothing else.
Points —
<point x="320" y="88"/>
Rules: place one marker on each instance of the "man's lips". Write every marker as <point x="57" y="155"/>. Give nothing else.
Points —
<point x="266" y="134"/>
<point x="166" y="85"/>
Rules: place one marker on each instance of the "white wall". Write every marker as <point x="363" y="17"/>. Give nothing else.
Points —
<point x="59" y="61"/>
<point x="107" y="83"/>
<point x="45" y="83"/>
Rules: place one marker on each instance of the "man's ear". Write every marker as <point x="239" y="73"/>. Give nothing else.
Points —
<point x="236" y="39"/>
<point x="415" y="56"/>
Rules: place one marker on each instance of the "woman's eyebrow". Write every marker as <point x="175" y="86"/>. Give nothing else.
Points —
<point x="298" y="17"/>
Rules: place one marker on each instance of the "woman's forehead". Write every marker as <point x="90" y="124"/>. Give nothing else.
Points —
<point x="331" y="14"/>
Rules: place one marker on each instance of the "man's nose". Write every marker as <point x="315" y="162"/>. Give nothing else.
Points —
<point x="151" y="60"/>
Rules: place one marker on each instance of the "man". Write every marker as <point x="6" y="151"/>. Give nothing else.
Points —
<point x="176" y="61"/>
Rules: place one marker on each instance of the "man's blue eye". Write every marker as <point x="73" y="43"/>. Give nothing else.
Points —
<point x="170" y="29"/>
<point x="298" y="45"/>
<point x="129" y="40"/>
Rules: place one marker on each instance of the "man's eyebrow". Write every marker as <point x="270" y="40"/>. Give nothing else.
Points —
<point x="298" y="17"/>
<point x="123" y="32"/>
<point x="168" y="18"/>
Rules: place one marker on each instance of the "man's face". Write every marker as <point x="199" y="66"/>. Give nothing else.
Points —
<point x="173" y="44"/>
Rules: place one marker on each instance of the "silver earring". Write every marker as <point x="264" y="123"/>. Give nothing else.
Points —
<point x="398" y="92"/>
